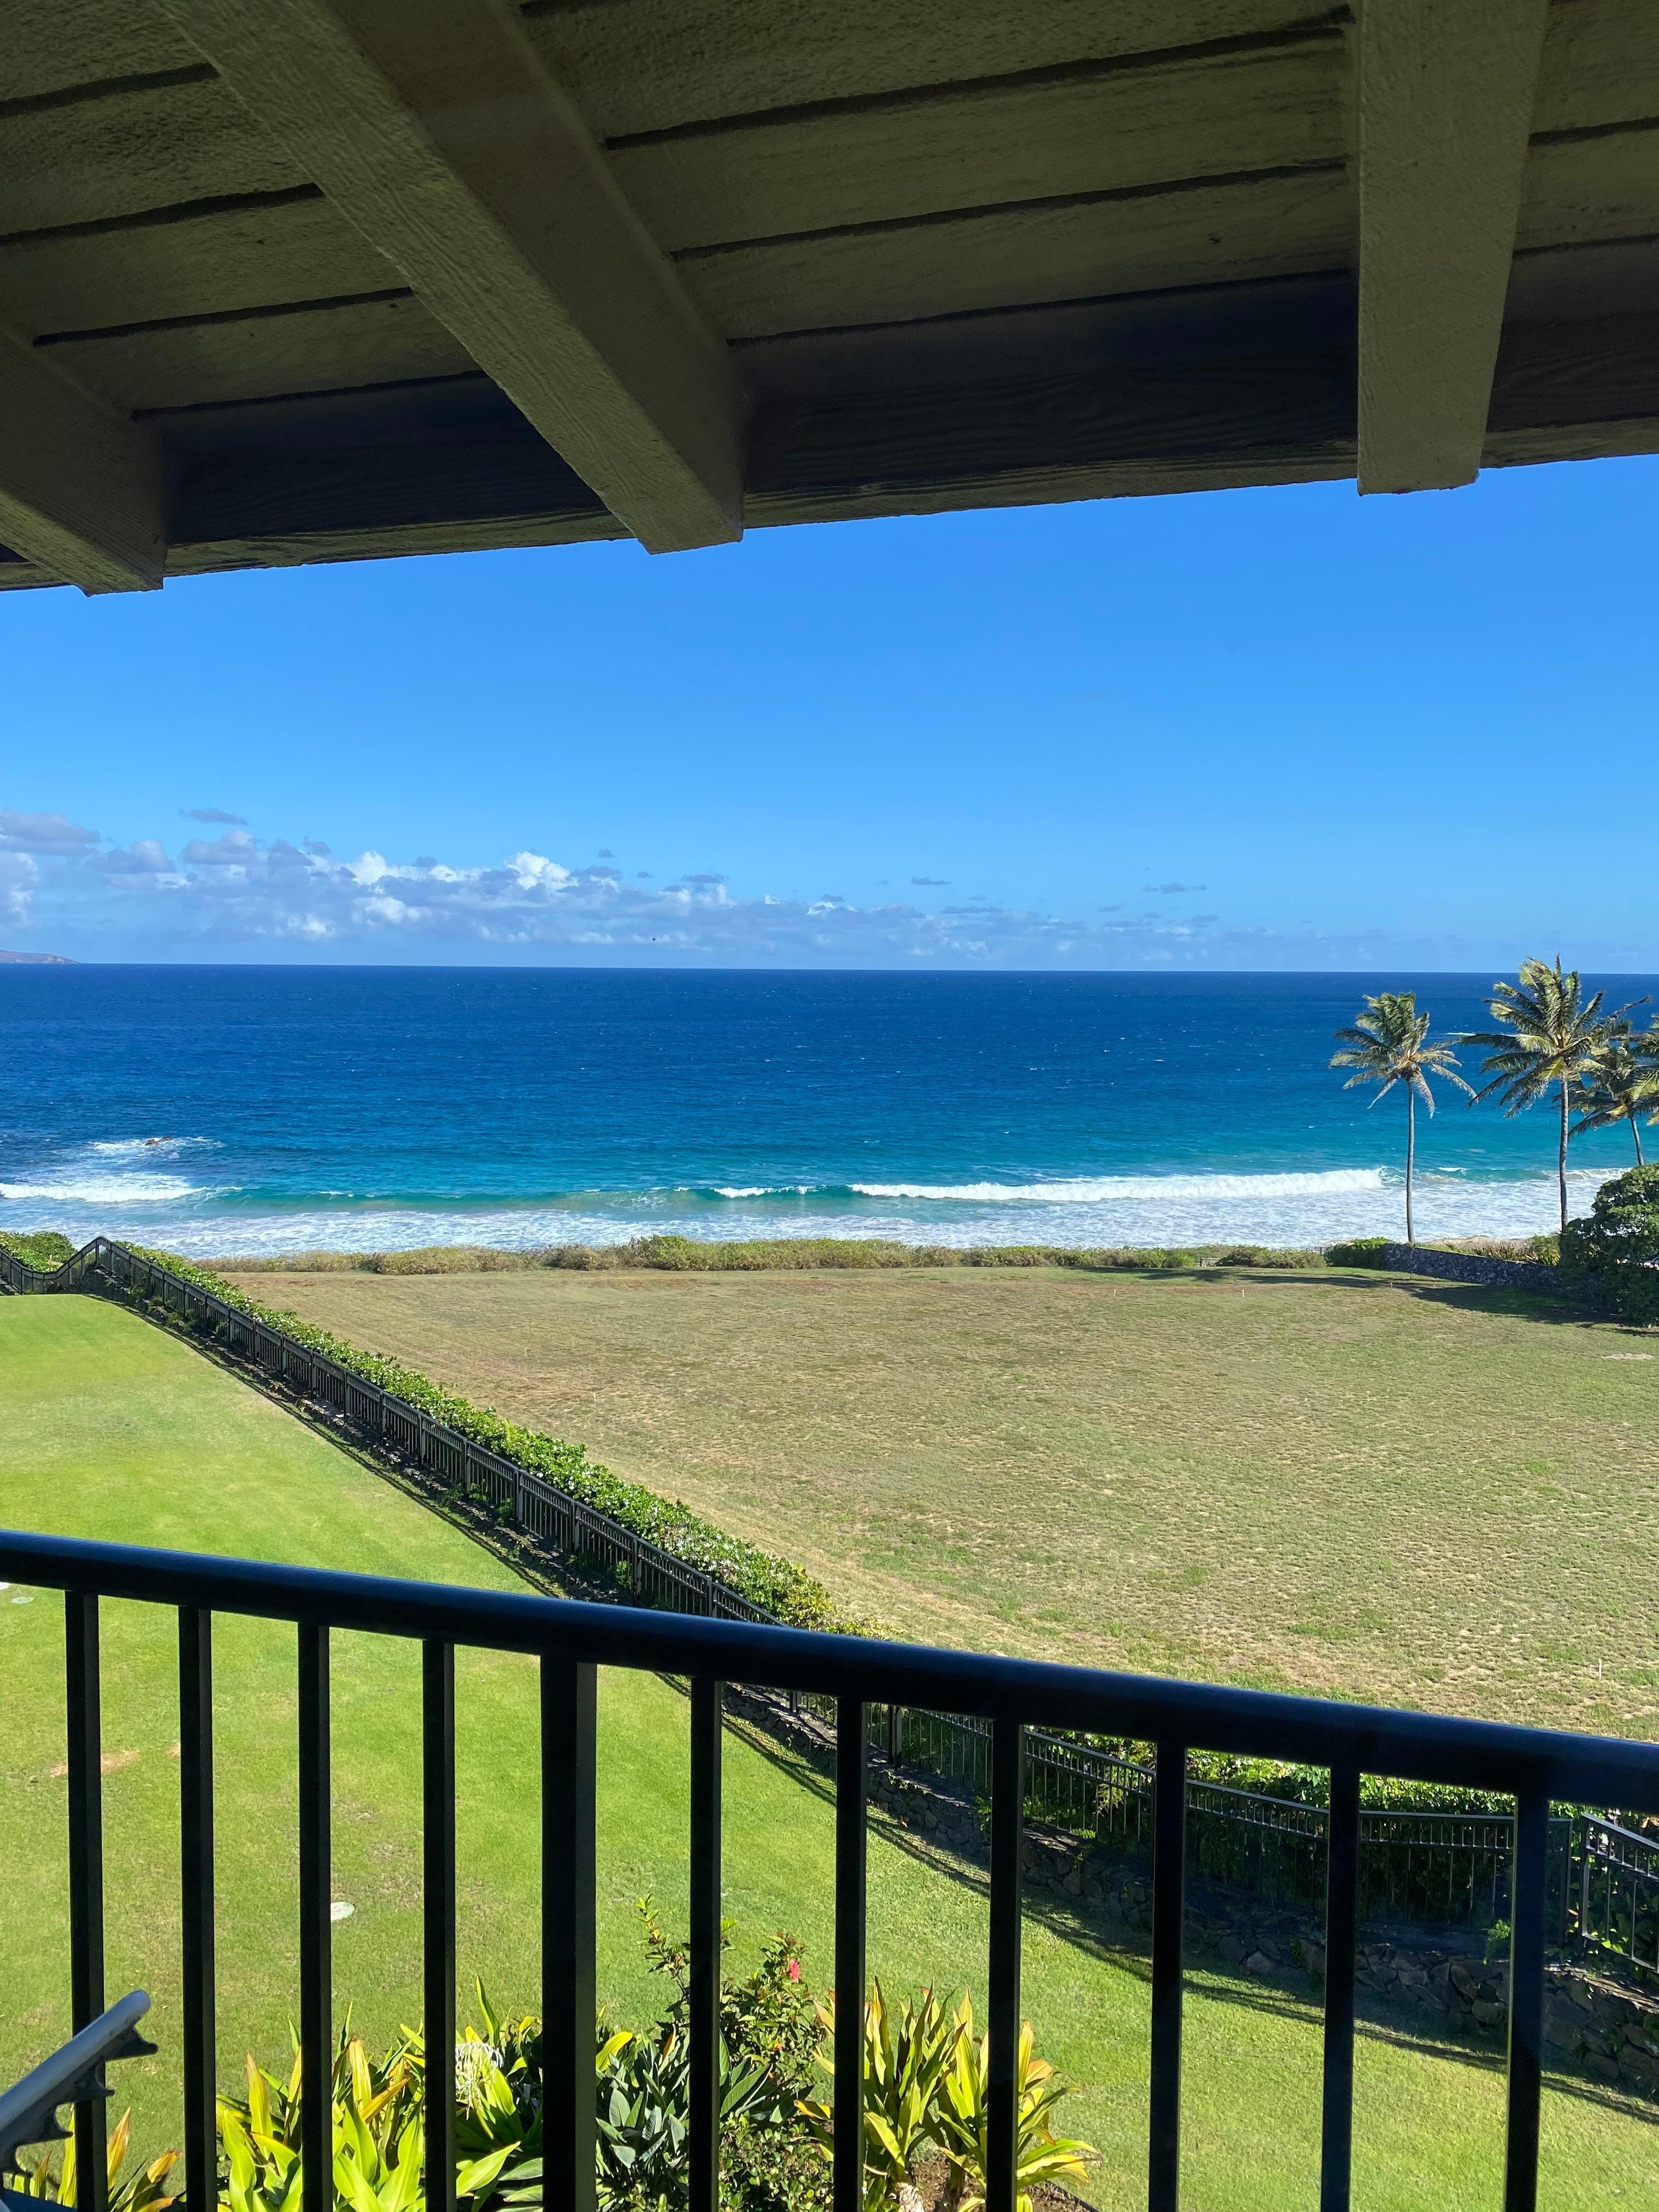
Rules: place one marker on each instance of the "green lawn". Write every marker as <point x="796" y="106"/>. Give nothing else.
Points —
<point x="1335" y="1481"/>
<point x="107" y="1428"/>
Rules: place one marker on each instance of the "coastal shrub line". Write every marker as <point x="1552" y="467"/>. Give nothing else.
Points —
<point x="762" y="1256"/>
<point x="798" y="1255"/>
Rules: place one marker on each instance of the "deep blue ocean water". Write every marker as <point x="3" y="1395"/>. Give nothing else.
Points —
<point x="236" y="1109"/>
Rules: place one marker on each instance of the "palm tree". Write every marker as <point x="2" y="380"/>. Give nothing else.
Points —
<point x="1388" y="1044"/>
<point x="1549" y="1039"/>
<point x="1625" y="1082"/>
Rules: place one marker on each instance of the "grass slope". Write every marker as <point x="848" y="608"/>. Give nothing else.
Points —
<point x="1383" y="1487"/>
<point x="109" y="1429"/>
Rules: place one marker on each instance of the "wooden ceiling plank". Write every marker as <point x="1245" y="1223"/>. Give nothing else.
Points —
<point x="144" y="148"/>
<point x="1271" y="227"/>
<point x="263" y="357"/>
<point x="1203" y="114"/>
<point x="1447" y="92"/>
<point x="1601" y="65"/>
<point x="234" y="257"/>
<point x="48" y="46"/>
<point x="652" y="64"/>
<point x="1590" y="189"/>
<point x="80" y="488"/>
<point x="431" y="124"/>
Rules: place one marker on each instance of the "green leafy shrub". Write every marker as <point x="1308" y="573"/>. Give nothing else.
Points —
<point x="768" y="2032"/>
<point x="1266" y="1255"/>
<point x="1356" y="1252"/>
<point x="43" y="1249"/>
<point x="1611" y="1257"/>
<point x="1311" y="1785"/>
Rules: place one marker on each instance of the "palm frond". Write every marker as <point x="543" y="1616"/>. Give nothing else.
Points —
<point x="1388" y="1044"/>
<point x="1548" y="1034"/>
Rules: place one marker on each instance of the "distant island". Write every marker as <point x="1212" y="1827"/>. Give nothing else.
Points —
<point x="37" y="960"/>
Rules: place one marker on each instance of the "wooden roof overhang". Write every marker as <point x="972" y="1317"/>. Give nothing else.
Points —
<point x="299" y="280"/>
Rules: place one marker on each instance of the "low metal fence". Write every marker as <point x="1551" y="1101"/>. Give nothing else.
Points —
<point x="1618" y="1896"/>
<point x="1006" y="1698"/>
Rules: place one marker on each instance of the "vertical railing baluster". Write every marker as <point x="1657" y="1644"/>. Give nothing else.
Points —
<point x="703" y="2142"/>
<point x="1169" y="1897"/>
<point x="850" y="1869"/>
<point x="316" y="1996"/>
<point x="1527" y="1916"/>
<point x="438" y="1915"/>
<point x="1002" y="2020"/>
<point x="1341" y="1937"/>
<point x="569" y="1741"/>
<point x="86" y="1872"/>
<point x="196" y="1872"/>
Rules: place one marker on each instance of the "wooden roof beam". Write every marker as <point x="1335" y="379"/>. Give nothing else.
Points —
<point x="81" y="487"/>
<point x="1446" y="94"/>
<point x="433" y="127"/>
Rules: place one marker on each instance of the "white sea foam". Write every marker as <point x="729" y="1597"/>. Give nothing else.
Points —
<point x="1103" y="1190"/>
<point x="84" y="1189"/>
<point x="150" y="1148"/>
<point x="94" y="1175"/>
<point x="121" y="1187"/>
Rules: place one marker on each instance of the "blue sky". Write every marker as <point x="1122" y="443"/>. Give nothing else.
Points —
<point x="1285" y="728"/>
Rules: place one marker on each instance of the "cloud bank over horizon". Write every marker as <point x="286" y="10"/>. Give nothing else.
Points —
<point x="237" y="895"/>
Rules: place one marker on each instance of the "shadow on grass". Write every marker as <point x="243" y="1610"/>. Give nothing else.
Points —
<point x="1109" y="1943"/>
<point x="1503" y="1304"/>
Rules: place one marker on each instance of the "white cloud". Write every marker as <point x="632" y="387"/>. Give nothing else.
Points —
<point x="51" y="834"/>
<point x="237" y="890"/>
<point x="18" y="877"/>
<point x="231" y="850"/>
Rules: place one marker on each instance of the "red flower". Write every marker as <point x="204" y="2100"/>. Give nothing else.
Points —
<point x="794" y="1970"/>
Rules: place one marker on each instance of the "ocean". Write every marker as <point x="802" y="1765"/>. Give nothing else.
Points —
<point x="224" y="1111"/>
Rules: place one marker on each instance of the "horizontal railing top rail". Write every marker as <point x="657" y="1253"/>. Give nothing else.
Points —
<point x="1609" y="1771"/>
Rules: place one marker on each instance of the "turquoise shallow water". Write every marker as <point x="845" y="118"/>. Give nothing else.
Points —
<point x="249" y="1110"/>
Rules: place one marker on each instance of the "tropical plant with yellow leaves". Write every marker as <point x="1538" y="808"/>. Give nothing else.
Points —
<point x="962" y="2107"/>
<point x="907" y="2052"/>
<point x="379" y="2137"/>
<point x="146" y="2190"/>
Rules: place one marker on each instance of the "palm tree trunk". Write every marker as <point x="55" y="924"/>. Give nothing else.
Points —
<point x="1561" y="1160"/>
<point x="1411" y="1158"/>
<point x="1636" y="1138"/>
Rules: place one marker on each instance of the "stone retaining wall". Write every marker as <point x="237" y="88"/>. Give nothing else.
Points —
<point x="1474" y="1267"/>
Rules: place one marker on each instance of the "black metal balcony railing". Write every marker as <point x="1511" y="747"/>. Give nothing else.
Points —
<point x="571" y="1641"/>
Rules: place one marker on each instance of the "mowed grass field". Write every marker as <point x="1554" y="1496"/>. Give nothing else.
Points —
<point x="109" y="1429"/>
<point x="1337" y="1482"/>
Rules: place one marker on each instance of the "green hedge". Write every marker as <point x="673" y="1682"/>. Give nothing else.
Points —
<point x="1357" y="1252"/>
<point x="43" y="1249"/>
<point x="763" y="1577"/>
